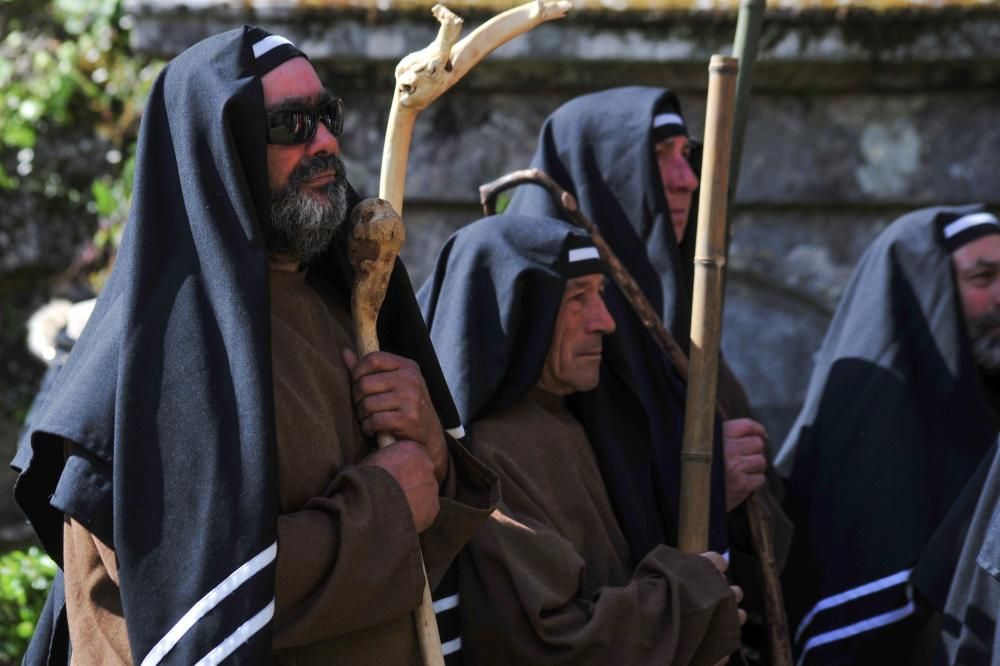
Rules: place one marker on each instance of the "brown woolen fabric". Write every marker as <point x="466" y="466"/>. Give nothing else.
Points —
<point x="547" y="580"/>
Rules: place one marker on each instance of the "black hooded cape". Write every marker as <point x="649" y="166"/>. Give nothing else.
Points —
<point x="491" y="306"/>
<point x="894" y="424"/>
<point x="167" y="397"/>
<point x="600" y="147"/>
<point x="970" y="630"/>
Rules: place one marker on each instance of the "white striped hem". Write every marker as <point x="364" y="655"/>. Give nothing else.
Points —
<point x="238" y="637"/>
<point x="447" y="603"/>
<point x="667" y="119"/>
<point x="269" y="43"/>
<point x="454" y="645"/>
<point x="457" y="432"/>
<point x="859" y="627"/>
<point x="967" y="221"/>
<point x="583" y="254"/>
<point x="851" y="595"/>
<point x="244" y="573"/>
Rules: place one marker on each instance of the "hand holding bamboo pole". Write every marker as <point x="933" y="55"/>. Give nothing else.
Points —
<point x="425" y="75"/>
<point x="377" y="233"/>
<point x="706" y="316"/>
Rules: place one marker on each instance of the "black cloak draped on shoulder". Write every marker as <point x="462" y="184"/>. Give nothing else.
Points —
<point x="895" y="423"/>
<point x="167" y="397"/>
<point x="600" y="147"/>
<point x="970" y="631"/>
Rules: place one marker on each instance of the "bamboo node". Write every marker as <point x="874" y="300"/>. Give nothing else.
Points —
<point x="717" y="260"/>
<point x="726" y="65"/>
<point x="694" y="456"/>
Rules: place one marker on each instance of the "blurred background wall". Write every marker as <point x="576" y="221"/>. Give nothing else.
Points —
<point x="861" y="111"/>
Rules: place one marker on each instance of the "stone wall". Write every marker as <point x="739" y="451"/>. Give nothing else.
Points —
<point x="858" y="116"/>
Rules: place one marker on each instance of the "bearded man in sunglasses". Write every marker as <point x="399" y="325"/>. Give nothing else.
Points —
<point x="204" y="470"/>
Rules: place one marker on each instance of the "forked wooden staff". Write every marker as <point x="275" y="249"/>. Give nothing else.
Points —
<point x="377" y="229"/>
<point x="425" y="75"/>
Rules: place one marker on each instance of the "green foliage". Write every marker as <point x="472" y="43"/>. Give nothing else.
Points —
<point x="66" y="66"/>
<point x="25" y="578"/>
<point x="503" y="200"/>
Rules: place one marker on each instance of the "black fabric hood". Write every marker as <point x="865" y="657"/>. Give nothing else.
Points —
<point x="491" y="306"/>
<point x="168" y="393"/>
<point x="894" y="424"/>
<point x="600" y="147"/>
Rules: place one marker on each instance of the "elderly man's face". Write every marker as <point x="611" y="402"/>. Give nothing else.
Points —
<point x="679" y="181"/>
<point x="574" y="359"/>
<point x="977" y="273"/>
<point x="307" y="181"/>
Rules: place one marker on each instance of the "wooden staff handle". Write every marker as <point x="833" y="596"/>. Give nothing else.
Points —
<point x="706" y="314"/>
<point x="423" y="76"/>
<point x="377" y="233"/>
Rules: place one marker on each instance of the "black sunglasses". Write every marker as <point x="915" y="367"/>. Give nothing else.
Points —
<point x="289" y="127"/>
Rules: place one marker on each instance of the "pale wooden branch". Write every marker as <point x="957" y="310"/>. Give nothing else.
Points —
<point x="377" y="233"/>
<point x="423" y="76"/>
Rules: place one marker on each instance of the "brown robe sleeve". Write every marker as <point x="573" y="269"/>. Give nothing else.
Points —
<point x="357" y="548"/>
<point x="93" y="600"/>
<point x="521" y="602"/>
<point x="469" y="493"/>
<point x="343" y="552"/>
<point x="546" y="579"/>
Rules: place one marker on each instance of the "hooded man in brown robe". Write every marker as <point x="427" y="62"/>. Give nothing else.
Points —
<point x="549" y="578"/>
<point x="204" y="469"/>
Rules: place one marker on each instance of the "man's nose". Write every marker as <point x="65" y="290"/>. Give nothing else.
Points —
<point x="688" y="181"/>
<point x="324" y="142"/>
<point x="600" y="319"/>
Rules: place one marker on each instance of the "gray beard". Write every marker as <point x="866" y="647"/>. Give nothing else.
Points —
<point x="303" y="222"/>
<point x="985" y="333"/>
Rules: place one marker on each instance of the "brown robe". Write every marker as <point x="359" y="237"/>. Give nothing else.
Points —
<point x="348" y="571"/>
<point x="547" y="579"/>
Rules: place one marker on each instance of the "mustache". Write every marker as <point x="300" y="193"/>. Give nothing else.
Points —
<point x="310" y="167"/>
<point x="985" y="322"/>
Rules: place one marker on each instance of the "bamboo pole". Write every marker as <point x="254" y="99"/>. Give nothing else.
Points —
<point x="706" y="316"/>
<point x="745" y="48"/>
<point x="745" y="42"/>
